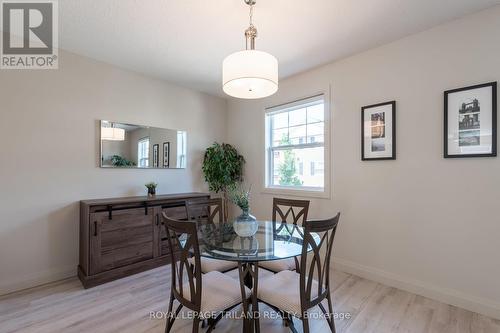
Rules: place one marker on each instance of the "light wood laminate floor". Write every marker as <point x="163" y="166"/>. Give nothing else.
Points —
<point x="125" y="306"/>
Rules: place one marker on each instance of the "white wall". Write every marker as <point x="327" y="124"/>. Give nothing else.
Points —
<point x="49" y="155"/>
<point x="422" y="223"/>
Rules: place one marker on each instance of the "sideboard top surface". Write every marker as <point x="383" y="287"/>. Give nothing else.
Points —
<point x="124" y="200"/>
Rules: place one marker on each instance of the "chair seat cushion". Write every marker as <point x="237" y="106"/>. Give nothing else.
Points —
<point x="209" y="264"/>
<point x="279" y="265"/>
<point x="283" y="291"/>
<point x="219" y="292"/>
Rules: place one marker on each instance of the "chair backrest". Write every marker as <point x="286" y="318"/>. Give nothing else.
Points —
<point x="206" y="211"/>
<point x="316" y="264"/>
<point x="183" y="241"/>
<point x="290" y="211"/>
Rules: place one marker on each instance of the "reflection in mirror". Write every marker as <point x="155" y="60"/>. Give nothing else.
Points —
<point x="136" y="146"/>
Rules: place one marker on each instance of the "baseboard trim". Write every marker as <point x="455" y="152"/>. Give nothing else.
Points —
<point x="37" y="279"/>
<point x="449" y="296"/>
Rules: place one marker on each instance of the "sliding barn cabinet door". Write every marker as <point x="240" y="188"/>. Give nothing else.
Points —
<point x="123" y="237"/>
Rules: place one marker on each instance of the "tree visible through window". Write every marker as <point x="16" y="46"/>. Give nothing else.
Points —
<point x="295" y="135"/>
<point x="287" y="170"/>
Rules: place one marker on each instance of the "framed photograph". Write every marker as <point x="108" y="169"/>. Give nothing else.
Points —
<point x="156" y="155"/>
<point x="378" y="131"/>
<point x="166" y="154"/>
<point x="470" y="121"/>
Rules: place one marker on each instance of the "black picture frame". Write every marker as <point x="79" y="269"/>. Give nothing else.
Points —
<point x="166" y="154"/>
<point x="493" y="86"/>
<point x="392" y="130"/>
<point x="156" y="155"/>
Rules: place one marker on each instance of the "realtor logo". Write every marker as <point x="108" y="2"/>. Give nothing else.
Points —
<point x="29" y="34"/>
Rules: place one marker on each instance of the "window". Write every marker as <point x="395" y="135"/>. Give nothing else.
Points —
<point x="181" y="149"/>
<point x="143" y="153"/>
<point x="295" y="145"/>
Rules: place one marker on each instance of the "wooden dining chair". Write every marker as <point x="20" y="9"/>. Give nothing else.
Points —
<point x="302" y="291"/>
<point x="287" y="211"/>
<point x="209" y="212"/>
<point x="203" y="294"/>
<point x="205" y="211"/>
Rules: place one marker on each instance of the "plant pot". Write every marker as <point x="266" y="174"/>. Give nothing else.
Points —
<point x="245" y="225"/>
<point x="151" y="193"/>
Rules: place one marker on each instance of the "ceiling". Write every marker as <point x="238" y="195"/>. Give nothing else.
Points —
<point x="185" y="41"/>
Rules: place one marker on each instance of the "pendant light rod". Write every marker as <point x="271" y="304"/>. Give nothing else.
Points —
<point x="251" y="31"/>
<point x="250" y="35"/>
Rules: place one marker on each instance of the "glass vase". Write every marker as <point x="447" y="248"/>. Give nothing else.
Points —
<point x="245" y="225"/>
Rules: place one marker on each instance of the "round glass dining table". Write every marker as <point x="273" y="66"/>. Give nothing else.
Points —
<point x="272" y="241"/>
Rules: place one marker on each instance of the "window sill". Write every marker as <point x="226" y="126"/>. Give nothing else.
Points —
<point x="321" y="194"/>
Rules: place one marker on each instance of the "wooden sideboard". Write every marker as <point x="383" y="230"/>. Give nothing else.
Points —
<point x="124" y="236"/>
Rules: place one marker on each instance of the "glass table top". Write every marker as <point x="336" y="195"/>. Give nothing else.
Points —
<point x="272" y="241"/>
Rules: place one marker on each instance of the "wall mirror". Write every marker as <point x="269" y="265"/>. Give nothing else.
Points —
<point x="144" y="147"/>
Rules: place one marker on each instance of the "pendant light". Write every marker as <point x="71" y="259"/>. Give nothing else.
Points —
<point x="250" y="73"/>
<point x="112" y="133"/>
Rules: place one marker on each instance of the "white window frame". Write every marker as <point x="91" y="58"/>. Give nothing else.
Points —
<point x="139" y="142"/>
<point x="181" y="148"/>
<point x="323" y="192"/>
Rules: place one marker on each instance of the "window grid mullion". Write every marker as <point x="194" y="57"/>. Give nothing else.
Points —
<point x="299" y="146"/>
<point x="307" y="118"/>
<point x="288" y="126"/>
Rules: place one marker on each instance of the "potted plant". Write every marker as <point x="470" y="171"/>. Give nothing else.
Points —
<point x="222" y="168"/>
<point x="238" y="195"/>
<point x="151" y="189"/>
<point x="245" y="225"/>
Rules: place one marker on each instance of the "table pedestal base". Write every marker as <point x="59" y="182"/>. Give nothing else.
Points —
<point x="249" y="277"/>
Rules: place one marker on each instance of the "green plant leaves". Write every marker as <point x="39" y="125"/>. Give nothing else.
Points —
<point x="117" y="160"/>
<point x="222" y="166"/>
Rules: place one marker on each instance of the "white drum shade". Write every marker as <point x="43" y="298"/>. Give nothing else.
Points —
<point x="112" y="134"/>
<point x="250" y="74"/>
